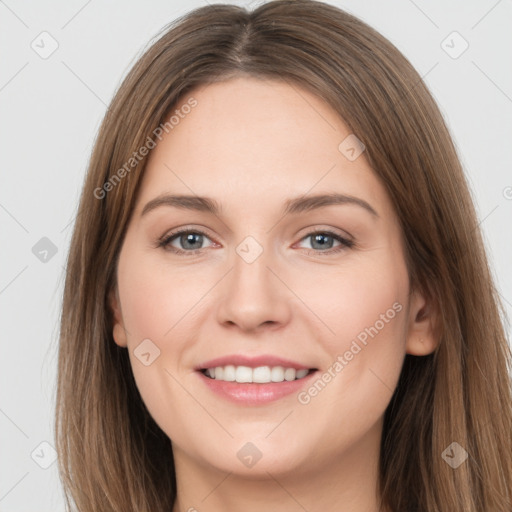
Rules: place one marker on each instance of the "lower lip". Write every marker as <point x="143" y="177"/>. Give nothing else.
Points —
<point x="255" y="393"/>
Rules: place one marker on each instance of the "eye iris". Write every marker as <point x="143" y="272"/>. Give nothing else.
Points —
<point x="320" y="239"/>
<point x="195" y="239"/>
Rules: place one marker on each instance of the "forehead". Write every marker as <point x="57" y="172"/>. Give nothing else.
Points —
<point x="257" y="140"/>
<point x="260" y="115"/>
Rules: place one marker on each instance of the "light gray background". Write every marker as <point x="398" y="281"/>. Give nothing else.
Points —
<point x="50" y="112"/>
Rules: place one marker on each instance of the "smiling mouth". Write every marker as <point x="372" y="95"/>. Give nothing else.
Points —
<point x="258" y="375"/>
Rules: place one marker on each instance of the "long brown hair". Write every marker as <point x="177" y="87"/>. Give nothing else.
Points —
<point x="112" y="455"/>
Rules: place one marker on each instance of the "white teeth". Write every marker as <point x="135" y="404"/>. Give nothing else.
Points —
<point x="301" y="373"/>
<point x="277" y="374"/>
<point x="261" y="374"/>
<point x="229" y="373"/>
<point x="289" y="374"/>
<point x="242" y="374"/>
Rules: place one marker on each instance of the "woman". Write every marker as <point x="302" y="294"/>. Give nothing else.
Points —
<point x="331" y="339"/>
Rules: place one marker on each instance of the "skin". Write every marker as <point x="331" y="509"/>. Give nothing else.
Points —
<point x="250" y="145"/>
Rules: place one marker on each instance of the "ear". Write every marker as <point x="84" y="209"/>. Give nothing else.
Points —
<point x="118" y="330"/>
<point x="421" y="333"/>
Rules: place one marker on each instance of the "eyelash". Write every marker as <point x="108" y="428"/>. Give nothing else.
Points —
<point x="165" y="241"/>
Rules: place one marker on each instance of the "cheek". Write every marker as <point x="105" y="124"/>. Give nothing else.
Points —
<point x="161" y="306"/>
<point x="366" y="307"/>
<point x="156" y="307"/>
<point x="371" y="306"/>
<point x="155" y="299"/>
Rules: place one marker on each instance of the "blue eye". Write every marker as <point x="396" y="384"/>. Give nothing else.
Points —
<point x="189" y="242"/>
<point x="323" y="242"/>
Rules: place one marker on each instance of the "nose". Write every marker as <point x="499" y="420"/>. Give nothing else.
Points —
<point x="254" y="296"/>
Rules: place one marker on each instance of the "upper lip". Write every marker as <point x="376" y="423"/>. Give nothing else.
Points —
<point x="252" y="362"/>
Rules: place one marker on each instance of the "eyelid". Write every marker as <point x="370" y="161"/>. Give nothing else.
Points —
<point x="324" y="228"/>
<point x="346" y="242"/>
<point x="164" y="241"/>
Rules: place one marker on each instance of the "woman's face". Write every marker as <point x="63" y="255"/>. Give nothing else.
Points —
<point x="291" y="263"/>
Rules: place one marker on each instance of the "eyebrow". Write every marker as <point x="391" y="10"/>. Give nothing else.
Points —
<point x="292" y="206"/>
